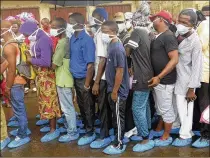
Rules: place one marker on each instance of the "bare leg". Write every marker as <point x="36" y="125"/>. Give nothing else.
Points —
<point x="167" y="130"/>
<point x="52" y="124"/>
<point x="160" y="125"/>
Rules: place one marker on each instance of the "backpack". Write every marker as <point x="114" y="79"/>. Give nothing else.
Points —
<point x="22" y="68"/>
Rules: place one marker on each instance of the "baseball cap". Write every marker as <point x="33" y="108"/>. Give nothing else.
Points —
<point x="164" y="14"/>
<point x="119" y="16"/>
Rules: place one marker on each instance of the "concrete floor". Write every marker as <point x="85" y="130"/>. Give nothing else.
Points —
<point x="55" y="149"/>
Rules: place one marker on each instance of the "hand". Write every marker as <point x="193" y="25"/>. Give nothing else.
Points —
<point x="154" y="82"/>
<point x="95" y="89"/>
<point x="8" y="93"/>
<point x="28" y="56"/>
<point x="75" y="100"/>
<point x="190" y="96"/>
<point x="114" y="96"/>
<point x="87" y="88"/>
<point x="130" y="71"/>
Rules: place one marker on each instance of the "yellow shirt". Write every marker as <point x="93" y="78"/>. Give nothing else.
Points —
<point x="203" y="32"/>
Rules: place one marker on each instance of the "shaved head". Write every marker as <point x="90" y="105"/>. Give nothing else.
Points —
<point x="6" y="24"/>
<point x="5" y="34"/>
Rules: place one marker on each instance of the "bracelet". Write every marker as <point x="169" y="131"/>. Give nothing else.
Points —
<point x="87" y="88"/>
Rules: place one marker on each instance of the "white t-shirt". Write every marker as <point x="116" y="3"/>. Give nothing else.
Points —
<point x="101" y="51"/>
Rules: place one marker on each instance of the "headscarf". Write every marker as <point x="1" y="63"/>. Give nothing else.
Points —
<point x="141" y="16"/>
<point x="28" y="28"/>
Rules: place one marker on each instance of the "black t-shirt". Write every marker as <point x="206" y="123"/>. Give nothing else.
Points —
<point x="140" y="44"/>
<point x="160" y="47"/>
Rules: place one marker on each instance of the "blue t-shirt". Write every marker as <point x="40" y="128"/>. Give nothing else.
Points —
<point x="82" y="52"/>
<point x="117" y="59"/>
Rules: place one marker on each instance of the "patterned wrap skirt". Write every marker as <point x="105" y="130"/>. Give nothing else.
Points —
<point x="47" y="94"/>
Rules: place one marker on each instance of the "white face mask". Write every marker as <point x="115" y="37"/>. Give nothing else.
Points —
<point x="54" y="32"/>
<point x="106" y="39"/>
<point x="128" y="24"/>
<point x="9" y="30"/>
<point x="181" y="29"/>
<point x="20" y="38"/>
<point x="92" y="21"/>
<point x="93" y="30"/>
<point x="69" y="30"/>
<point x="72" y="27"/>
<point x="121" y="27"/>
<point x="32" y="37"/>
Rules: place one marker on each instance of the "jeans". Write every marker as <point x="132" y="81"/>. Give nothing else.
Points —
<point x="142" y="113"/>
<point x="18" y="105"/>
<point x="86" y="104"/>
<point x="67" y="106"/>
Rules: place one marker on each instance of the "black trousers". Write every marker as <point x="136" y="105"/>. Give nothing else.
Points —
<point x="129" y="122"/>
<point x="203" y="100"/>
<point x="105" y="115"/>
<point x="86" y="105"/>
<point x="118" y="119"/>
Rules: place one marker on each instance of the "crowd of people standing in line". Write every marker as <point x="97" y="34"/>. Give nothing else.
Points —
<point x="120" y="65"/>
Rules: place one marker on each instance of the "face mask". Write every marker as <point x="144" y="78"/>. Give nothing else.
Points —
<point x="106" y="39"/>
<point x="54" y="32"/>
<point x="92" y="21"/>
<point x="20" y="38"/>
<point x="93" y="30"/>
<point x="2" y="40"/>
<point x="128" y="25"/>
<point x="69" y="30"/>
<point x="32" y="37"/>
<point x="181" y="29"/>
<point x="9" y="30"/>
<point x="121" y="27"/>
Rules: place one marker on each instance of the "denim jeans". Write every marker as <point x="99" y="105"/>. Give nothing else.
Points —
<point x="18" y="105"/>
<point x="67" y="106"/>
<point x="142" y="113"/>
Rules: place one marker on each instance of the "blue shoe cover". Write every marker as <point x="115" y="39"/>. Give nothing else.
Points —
<point x="201" y="143"/>
<point x="126" y="140"/>
<point x="197" y="133"/>
<point x="42" y="122"/>
<point x="111" y="150"/>
<point x="38" y="116"/>
<point x="47" y="128"/>
<point x="175" y="131"/>
<point x="13" y="124"/>
<point x="80" y="124"/>
<point x="67" y="138"/>
<point x="13" y="118"/>
<point x="144" y="147"/>
<point x="50" y="136"/>
<point x="15" y="132"/>
<point x="62" y="130"/>
<point x="161" y="143"/>
<point x="86" y="140"/>
<point x="97" y="130"/>
<point x="5" y="142"/>
<point x="182" y="142"/>
<point x="82" y="131"/>
<point x="100" y="143"/>
<point x="18" y="142"/>
<point x="155" y="134"/>
<point x="97" y="122"/>
<point x="136" y="138"/>
<point x="61" y="120"/>
<point x="111" y="131"/>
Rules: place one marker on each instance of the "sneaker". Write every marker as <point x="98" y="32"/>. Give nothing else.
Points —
<point x="136" y="138"/>
<point x="50" y="136"/>
<point x="161" y="143"/>
<point x="144" y="147"/>
<point x="97" y="122"/>
<point x="15" y="132"/>
<point x="18" y="142"/>
<point x="62" y="130"/>
<point x="67" y="138"/>
<point x="42" y="122"/>
<point x="5" y="142"/>
<point x="100" y="143"/>
<point x="111" y="150"/>
<point x="201" y="143"/>
<point x="47" y="129"/>
<point x="61" y="120"/>
<point x="13" y="118"/>
<point x="38" y="116"/>
<point x="86" y="140"/>
<point x="13" y="124"/>
<point x="182" y="142"/>
<point x="156" y="134"/>
<point x="175" y="131"/>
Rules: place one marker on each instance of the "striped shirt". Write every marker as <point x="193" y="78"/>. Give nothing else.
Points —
<point x="189" y="68"/>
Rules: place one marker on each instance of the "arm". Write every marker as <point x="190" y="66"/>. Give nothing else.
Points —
<point x="4" y="65"/>
<point x="89" y="76"/>
<point x="118" y="80"/>
<point x="46" y="53"/>
<point x="10" y="56"/>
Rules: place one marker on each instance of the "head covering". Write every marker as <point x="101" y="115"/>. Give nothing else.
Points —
<point x="164" y="14"/>
<point x="102" y="12"/>
<point x="141" y="16"/>
<point x="119" y="16"/>
<point x="128" y="15"/>
<point x="192" y="14"/>
<point x="28" y="27"/>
